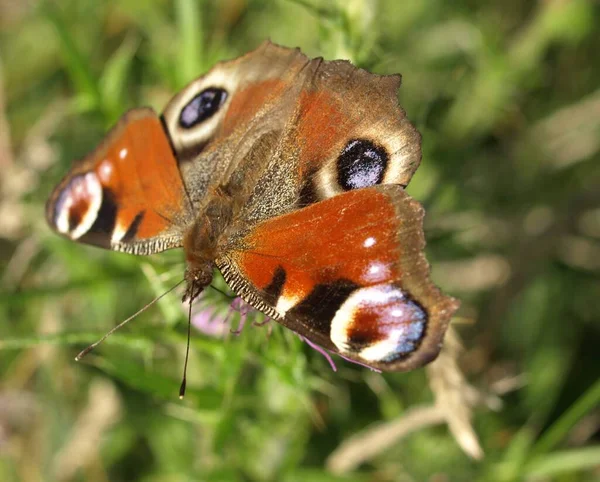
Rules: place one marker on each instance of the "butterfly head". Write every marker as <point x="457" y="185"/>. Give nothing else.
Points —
<point x="197" y="279"/>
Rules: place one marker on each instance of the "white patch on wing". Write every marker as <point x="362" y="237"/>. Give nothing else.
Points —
<point x="286" y="303"/>
<point x="105" y="171"/>
<point x="118" y="232"/>
<point x="343" y="319"/>
<point x="376" y="272"/>
<point x="382" y="350"/>
<point x="370" y="241"/>
<point x="344" y="316"/>
<point x="325" y="180"/>
<point x="84" y="187"/>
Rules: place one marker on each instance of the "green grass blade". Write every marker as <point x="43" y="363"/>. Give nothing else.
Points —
<point x="76" y="62"/>
<point x="189" y="25"/>
<point x="134" y="375"/>
<point x="114" y="79"/>
<point x="559" y="429"/>
<point x="170" y="306"/>
<point x="566" y="461"/>
<point x="66" y="339"/>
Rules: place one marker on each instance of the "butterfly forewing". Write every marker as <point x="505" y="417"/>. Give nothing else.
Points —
<point x="127" y="194"/>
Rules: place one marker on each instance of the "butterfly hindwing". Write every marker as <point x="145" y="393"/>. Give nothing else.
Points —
<point x="349" y="274"/>
<point x="126" y="195"/>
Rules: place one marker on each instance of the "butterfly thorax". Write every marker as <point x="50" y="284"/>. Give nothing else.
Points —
<point x="201" y="241"/>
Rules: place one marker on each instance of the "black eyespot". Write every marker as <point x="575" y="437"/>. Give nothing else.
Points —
<point x="361" y="164"/>
<point x="202" y="107"/>
<point x="321" y="305"/>
<point x="106" y="219"/>
<point x="133" y="227"/>
<point x="273" y="290"/>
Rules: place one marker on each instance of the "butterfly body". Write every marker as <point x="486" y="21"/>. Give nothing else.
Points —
<point x="287" y="174"/>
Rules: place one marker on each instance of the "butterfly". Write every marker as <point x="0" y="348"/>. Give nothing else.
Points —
<point x="287" y="174"/>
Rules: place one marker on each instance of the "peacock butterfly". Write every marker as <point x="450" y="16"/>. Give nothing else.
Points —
<point x="287" y="174"/>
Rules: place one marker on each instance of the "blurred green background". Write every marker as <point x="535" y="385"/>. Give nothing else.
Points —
<point x="507" y="97"/>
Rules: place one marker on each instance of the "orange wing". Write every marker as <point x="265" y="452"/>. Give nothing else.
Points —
<point x="126" y="195"/>
<point x="349" y="274"/>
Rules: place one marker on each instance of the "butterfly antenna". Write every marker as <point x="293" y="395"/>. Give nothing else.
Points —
<point x="187" y="350"/>
<point x="83" y="353"/>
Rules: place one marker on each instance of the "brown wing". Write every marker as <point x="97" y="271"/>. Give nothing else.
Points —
<point x="349" y="274"/>
<point x="126" y="195"/>
<point x="276" y="129"/>
<point x="279" y="130"/>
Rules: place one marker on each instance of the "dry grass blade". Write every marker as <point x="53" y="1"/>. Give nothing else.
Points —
<point x="366" y="445"/>
<point x="454" y="399"/>
<point x="102" y="412"/>
<point x="454" y="396"/>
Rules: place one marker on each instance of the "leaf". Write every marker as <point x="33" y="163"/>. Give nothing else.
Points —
<point x="566" y="461"/>
<point x="560" y="429"/>
<point x="134" y="375"/>
<point x="170" y="306"/>
<point x="189" y="27"/>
